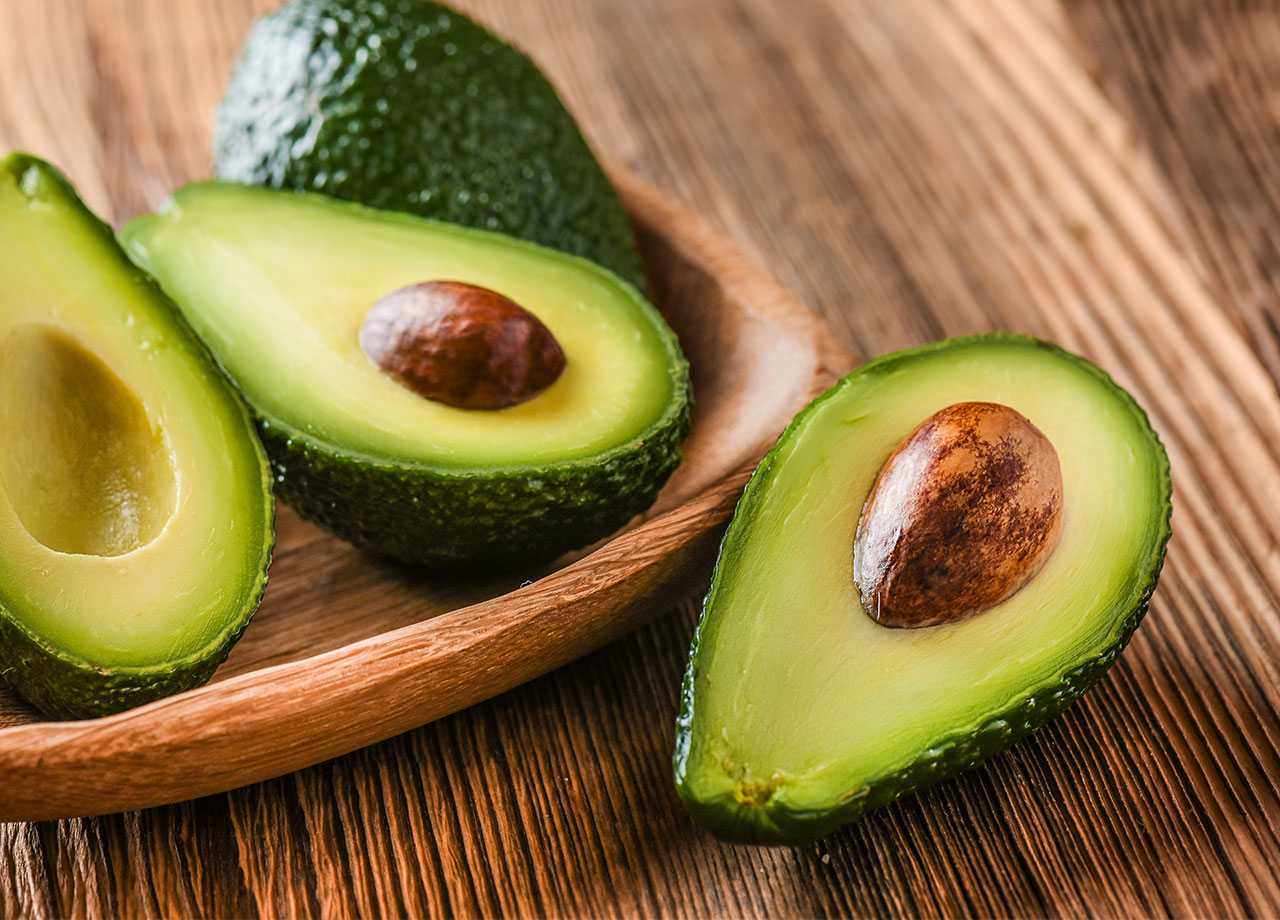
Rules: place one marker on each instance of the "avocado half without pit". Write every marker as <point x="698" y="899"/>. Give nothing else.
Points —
<point x="434" y="393"/>
<point x="939" y="555"/>
<point x="135" y="501"/>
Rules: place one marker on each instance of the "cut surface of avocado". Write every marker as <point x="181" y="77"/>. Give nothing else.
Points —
<point x="278" y="285"/>
<point x="135" y="505"/>
<point x="799" y="711"/>
<point x="408" y="105"/>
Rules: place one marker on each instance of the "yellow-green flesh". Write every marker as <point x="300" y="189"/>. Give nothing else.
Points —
<point x="278" y="285"/>
<point x="798" y="694"/>
<point x="131" y="493"/>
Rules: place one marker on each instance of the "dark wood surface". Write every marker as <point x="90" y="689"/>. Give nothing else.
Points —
<point x="1103" y="172"/>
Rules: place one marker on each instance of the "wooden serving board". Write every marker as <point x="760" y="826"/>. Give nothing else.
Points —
<point x="347" y="650"/>
<point x="1099" y="172"/>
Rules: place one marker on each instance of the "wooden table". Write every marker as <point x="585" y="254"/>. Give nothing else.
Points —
<point x="1102" y="172"/>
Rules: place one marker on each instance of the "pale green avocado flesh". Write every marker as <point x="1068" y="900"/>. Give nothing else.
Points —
<point x="135" y="504"/>
<point x="800" y="712"/>
<point x="278" y="285"/>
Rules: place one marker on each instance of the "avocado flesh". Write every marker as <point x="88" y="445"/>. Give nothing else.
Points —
<point x="800" y="712"/>
<point x="135" y="506"/>
<point x="278" y="284"/>
<point x="410" y="106"/>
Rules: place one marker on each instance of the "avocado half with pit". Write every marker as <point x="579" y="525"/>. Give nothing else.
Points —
<point x="286" y="289"/>
<point x="939" y="555"/>
<point x="135" y="500"/>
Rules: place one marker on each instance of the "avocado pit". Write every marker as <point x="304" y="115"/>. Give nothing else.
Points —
<point x="462" y="345"/>
<point x="966" y="511"/>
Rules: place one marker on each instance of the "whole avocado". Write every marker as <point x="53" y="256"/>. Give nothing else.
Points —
<point x="408" y="105"/>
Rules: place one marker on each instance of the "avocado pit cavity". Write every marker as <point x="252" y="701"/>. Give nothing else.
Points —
<point x="462" y="345"/>
<point x="966" y="511"/>
<point x="82" y="466"/>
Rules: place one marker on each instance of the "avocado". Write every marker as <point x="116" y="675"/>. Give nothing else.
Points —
<point x="279" y="284"/>
<point x="799" y="710"/>
<point x="135" y="499"/>
<point x="410" y="106"/>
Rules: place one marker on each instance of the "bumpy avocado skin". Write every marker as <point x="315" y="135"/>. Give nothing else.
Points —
<point x="768" y="823"/>
<point x="408" y="105"/>
<point x="443" y="518"/>
<point x="63" y="685"/>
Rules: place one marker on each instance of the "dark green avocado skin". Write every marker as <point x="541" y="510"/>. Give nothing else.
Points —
<point x="58" y="683"/>
<point x="407" y="105"/>
<point x="63" y="686"/>
<point x="446" y="518"/>
<point x="769" y="824"/>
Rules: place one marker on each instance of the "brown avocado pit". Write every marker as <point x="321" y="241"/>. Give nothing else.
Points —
<point x="462" y="345"/>
<point x="965" y="512"/>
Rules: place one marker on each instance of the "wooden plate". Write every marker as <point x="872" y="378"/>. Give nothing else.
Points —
<point x="348" y="650"/>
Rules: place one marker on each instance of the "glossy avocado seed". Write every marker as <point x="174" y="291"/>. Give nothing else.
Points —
<point x="965" y="512"/>
<point x="462" y="345"/>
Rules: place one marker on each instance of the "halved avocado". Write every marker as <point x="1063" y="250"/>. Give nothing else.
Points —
<point x="135" y="500"/>
<point x="278" y="284"/>
<point x="799" y="711"/>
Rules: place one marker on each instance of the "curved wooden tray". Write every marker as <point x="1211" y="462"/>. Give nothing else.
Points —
<point x="348" y="650"/>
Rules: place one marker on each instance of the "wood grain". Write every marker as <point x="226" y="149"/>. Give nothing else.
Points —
<point x="1100" y="171"/>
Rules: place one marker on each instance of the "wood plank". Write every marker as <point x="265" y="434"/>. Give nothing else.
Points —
<point x="1100" y="171"/>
